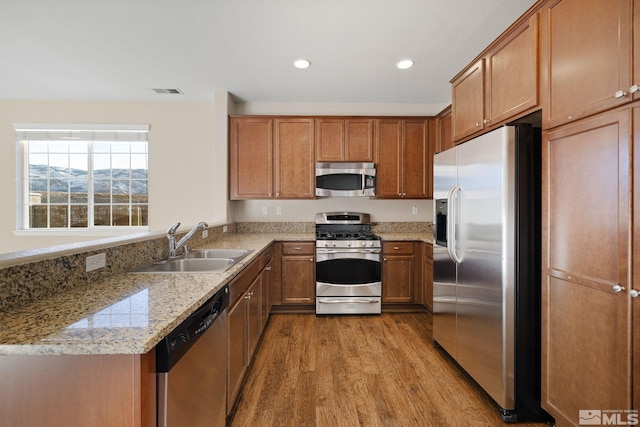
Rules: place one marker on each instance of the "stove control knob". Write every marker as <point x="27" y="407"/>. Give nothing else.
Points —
<point x="334" y="244"/>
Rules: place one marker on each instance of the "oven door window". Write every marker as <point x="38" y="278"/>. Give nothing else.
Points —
<point x="347" y="271"/>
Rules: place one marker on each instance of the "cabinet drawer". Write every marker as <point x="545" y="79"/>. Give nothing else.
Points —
<point x="392" y="248"/>
<point x="265" y="257"/>
<point x="298" y="248"/>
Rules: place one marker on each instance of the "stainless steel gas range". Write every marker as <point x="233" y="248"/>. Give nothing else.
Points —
<point x="348" y="264"/>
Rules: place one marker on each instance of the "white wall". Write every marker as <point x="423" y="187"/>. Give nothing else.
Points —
<point x="342" y="109"/>
<point x="305" y="210"/>
<point x="182" y="160"/>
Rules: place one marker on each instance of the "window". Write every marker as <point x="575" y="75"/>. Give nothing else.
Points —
<point x="83" y="177"/>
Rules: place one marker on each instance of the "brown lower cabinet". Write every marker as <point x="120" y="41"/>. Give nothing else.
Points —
<point x="398" y="268"/>
<point x="427" y="275"/>
<point x="588" y="338"/>
<point x="248" y="315"/>
<point x="298" y="273"/>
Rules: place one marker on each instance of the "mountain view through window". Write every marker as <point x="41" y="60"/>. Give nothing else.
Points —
<point x="84" y="184"/>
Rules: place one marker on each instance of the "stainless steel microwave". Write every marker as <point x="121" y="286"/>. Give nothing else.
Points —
<point x="345" y="179"/>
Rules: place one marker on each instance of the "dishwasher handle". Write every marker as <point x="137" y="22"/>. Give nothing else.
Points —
<point x="175" y="345"/>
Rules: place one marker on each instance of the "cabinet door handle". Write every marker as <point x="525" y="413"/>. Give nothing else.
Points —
<point x="617" y="289"/>
<point x="384" y="259"/>
<point x="297" y="248"/>
<point x="268" y="268"/>
<point x="619" y="94"/>
<point x="633" y="293"/>
<point x="485" y="121"/>
<point x="311" y="259"/>
<point x="634" y="89"/>
<point x="396" y="248"/>
<point x="477" y="124"/>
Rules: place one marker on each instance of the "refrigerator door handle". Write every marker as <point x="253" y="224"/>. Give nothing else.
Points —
<point x="452" y="220"/>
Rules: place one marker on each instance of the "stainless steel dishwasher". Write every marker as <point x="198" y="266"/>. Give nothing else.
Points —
<point x="191" y="364"/>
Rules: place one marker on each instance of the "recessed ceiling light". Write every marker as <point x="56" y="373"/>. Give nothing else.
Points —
<point x="404" y="64"/>
<point x="301" y="63"/>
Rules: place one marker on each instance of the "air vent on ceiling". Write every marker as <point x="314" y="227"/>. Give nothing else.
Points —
<point x="170" y="91"/>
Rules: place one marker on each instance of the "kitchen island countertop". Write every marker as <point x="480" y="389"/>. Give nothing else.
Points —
<point x="125" y="313"/>
<point x="129" y="313"/>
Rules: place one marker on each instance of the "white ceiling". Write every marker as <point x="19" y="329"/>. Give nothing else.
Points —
<point x="121" y="49"/>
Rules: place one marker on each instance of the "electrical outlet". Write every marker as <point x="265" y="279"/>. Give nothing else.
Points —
<point x="278" y="210"/>
<point x="265" y="210"/>
<point x="205" y="233"/>
<point x="224" y="228"/>
<point x="95" y="262"/>
<point x="414" y="210"/>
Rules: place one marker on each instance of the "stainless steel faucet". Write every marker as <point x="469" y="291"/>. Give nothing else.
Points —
<point x="171" y="235"/>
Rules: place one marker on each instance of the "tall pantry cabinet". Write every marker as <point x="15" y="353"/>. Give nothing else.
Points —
<point x="591" y="209"/>
<point x="586" y="360"/>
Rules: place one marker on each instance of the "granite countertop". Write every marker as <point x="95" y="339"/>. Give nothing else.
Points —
<point x="125" y="313"/>
<point x="129" y="313"/>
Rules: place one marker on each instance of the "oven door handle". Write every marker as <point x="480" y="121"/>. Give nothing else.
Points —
<point x="348" y="301"/>
<point x="348" y="251"/>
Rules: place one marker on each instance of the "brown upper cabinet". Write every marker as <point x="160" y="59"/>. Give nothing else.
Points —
<point x="500" y="85"/>
<point x="444" y="137"/>
<point x="588" y="57"/>
<point x="271" y="158"/>
<point x="344" y="140"/>
<point x="404" y="158"/>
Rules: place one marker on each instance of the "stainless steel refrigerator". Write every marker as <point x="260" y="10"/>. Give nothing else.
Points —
<point x="486" y="280"/>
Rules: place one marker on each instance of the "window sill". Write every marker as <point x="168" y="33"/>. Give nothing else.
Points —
<point x="101" y="232"/>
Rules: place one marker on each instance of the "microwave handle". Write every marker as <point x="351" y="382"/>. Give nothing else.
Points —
<point x="363" y="181"/>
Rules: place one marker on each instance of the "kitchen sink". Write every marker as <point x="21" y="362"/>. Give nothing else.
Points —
<point x="198" y="261"/>
<point x="236" y="254"/>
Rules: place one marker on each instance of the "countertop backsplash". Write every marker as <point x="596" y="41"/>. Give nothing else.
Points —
<point x="402" y="227"/>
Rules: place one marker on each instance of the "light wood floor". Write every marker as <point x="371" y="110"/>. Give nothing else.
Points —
<point x="358" y="371"/>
